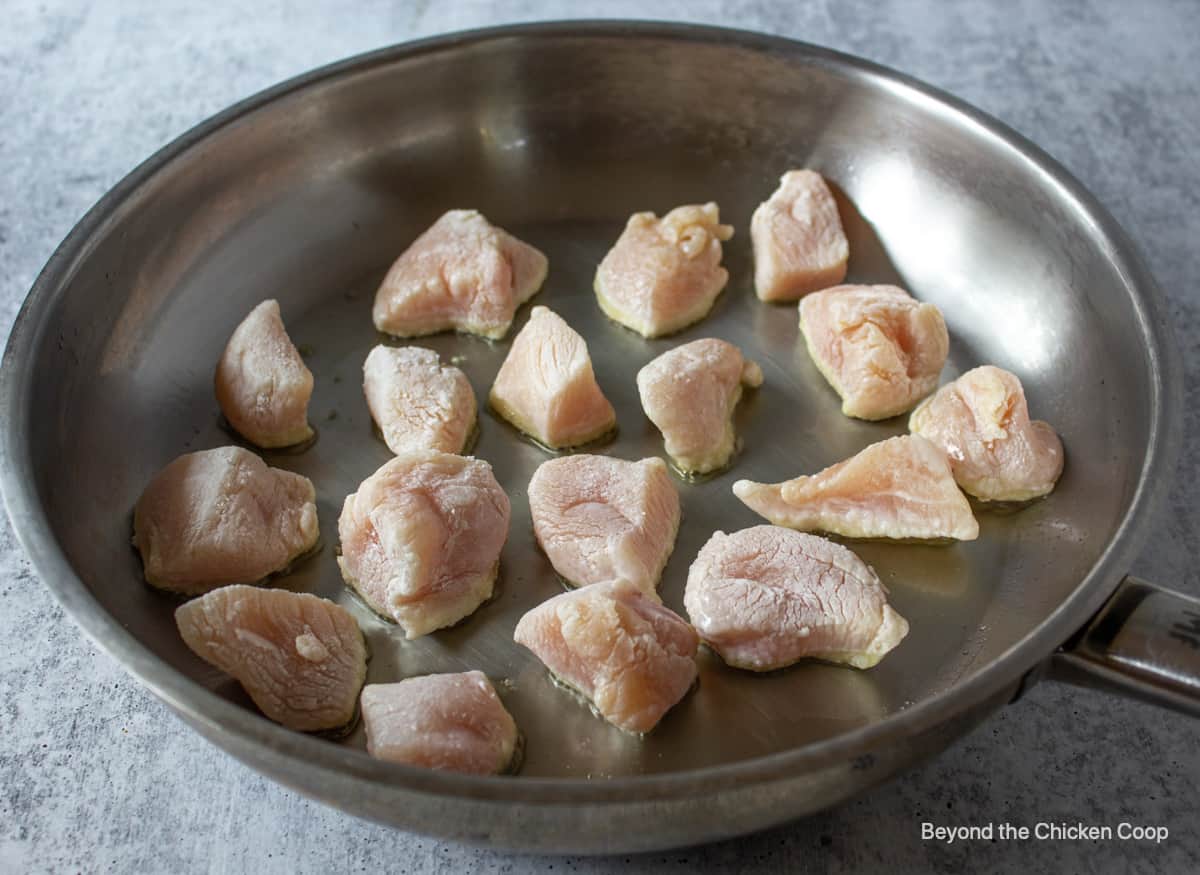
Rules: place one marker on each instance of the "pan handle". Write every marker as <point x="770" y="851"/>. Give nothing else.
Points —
<point x="1144" y="643"/>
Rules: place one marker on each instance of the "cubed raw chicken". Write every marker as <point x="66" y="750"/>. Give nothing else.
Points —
<point x="880" y="349"/>
<point x="463" y="274"/>
<point x="664" y="274"/>
<point x="900" y="488"/>
<point x="546" y="386"/>
<point x="766" y="597"/>
<point x="982" y="423"/>
<point x="418" y="403"/>
<point x="302" y="659"/>
<point x="421" y="539"/>
<point x="618" y="647"/>
<point x="222" y="516"/>
<point x="799" y="245"/>
<point x="262" y="384"/>
<point x="450" y="722"/>
<point x="690" y="392"/>
<point x="600" y="518"/>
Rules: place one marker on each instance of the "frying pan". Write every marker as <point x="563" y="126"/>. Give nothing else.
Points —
<point x="557" y="132"/>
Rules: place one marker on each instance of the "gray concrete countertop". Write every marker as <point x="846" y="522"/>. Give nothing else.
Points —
<point x="95" y="775"/>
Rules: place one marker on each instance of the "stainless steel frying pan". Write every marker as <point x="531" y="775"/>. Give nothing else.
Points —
<point x="557" y="132"/>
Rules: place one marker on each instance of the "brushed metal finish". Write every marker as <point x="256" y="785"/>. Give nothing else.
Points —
<point x="557" y="132"/>
<point x="1145" y="643"/>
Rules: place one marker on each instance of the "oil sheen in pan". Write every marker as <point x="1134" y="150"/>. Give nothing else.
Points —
<point x="732" y="714"/>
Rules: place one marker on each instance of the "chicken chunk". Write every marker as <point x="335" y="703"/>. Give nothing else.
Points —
<point x="664" y="274"/>
<point x="222" y="516"/>
<point x="302" y="659"/>
<point x="463" y="274"/>
<point x="799" y="245"/>
<point x="689" y="393"/>
<point x="547" y="388"/>
<point x="262" y="385"/>
<point x="881" y="350"/>
<point x="451" y="722"/>
<point x="618" y="647"/>
<point x="900" y="488"/>
<point x="766" y="597"/>
<point x="421" y="539"/>
<point x="982" y="423"/>
<point x="418" y="403"/>
<point x="600" y="518"/>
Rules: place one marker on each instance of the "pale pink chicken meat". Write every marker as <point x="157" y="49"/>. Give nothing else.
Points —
<point x="664" y="274"/>
<point x="799" y="244"/>
<point x="222" y="516"/>
<point x="262" y="384"/>
<point x="546" y="386"/>
<point x="900" y="488"/>
<point x="302" y="659"/>
<point x="881" y="350"/>
<point x="599" y="518"/>
<point x="689" y="393"/>
<point x="766" y="597"/>
<point x="996" y="451"/>
<point x="421" y="539"/>
<point x="618" y="647"/>
<point x="449" y="722"/>
<point x="462" y="274"/>
<point x="418" y="403"/>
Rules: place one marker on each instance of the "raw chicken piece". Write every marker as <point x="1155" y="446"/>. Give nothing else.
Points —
<point x="421" y="539"/>
<point x="262" y="385"/>
<point x="618" y="647"/>
<point x="546" y="386"/>
<point x="982" y="422"/>
<point x="898" y="488"/>
<point x="302" y="659"/>
<point x="880" y="349"/>
<point x="222" y="516"/>
<point x="463" y="274"/>
<point x="799" y="245"/>
<point x="689" y="392"/>
<point x="600" y="518"/>
<point x="418" y="403"/>
<point x="663" y="275"/>
<point x="452" y="722"/>
<point x="766" y="597"/>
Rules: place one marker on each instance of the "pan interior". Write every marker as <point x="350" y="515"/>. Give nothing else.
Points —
<point x="308" y="199"/>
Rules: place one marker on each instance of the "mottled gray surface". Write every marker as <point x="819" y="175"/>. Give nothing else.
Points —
<point x="95" y="775"/>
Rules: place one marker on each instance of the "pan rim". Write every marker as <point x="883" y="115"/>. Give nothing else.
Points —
<point x="219" y="717"/>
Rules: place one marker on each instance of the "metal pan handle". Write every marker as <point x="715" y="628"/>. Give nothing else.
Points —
<point x="1144" y="643"/>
